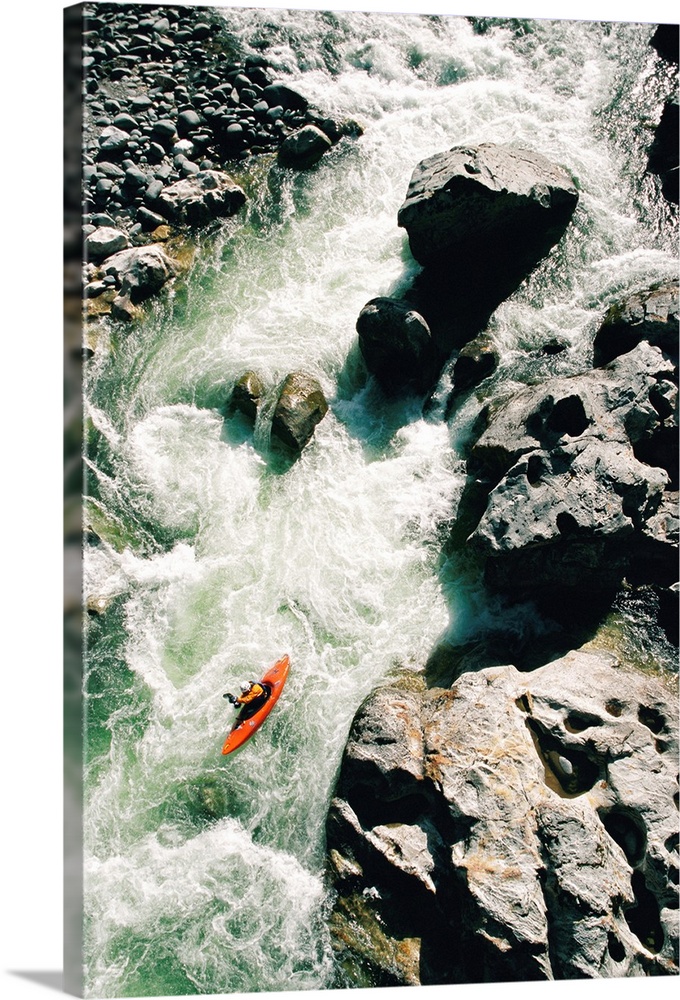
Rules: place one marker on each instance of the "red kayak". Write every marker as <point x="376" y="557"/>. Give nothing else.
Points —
<point x="243" y="729"/>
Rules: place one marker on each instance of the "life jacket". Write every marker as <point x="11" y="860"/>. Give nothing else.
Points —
<point x="256" y="691"/>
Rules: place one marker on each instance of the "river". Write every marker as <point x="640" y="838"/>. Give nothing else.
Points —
<point x="204" y="874"/>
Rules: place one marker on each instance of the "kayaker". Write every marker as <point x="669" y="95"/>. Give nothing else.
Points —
<point x="253" y="695"/>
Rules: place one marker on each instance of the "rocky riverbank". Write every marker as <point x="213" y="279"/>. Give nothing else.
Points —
<point x="171" y="108"/>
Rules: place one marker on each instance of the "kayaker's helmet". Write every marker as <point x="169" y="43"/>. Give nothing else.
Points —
<point x="245" y="687"/>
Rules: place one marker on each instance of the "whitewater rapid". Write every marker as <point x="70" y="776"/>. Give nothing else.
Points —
<point x="204" y="874"/>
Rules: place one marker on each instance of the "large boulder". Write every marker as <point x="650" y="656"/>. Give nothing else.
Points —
<point x="514" y="827"/>
<point x="300" y="407"/>
<point x="468" y="200"/>
<point x="574" y="470"/>
<point x="479" y="219"/>
<point x="198" y="199"/>
<point x="396" y="344"/>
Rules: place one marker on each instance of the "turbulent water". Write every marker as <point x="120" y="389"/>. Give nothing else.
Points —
<point x="204" y="874"/>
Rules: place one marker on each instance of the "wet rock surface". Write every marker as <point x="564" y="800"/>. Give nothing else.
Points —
<point x="515" y="826"/>
<point x="651" y="315"/>
<point x="304" y="148"/>
<point x="301" y="406"/>
<point x="247" y="394"/>
<point x="396" y="344"/>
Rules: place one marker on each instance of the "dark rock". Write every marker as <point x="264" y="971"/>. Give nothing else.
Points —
<point x="93" y="289"/>
<point x="669" y="612"/>
<point x="303" y="148"/>
<point x="188" y="168"/>
<point x="155" y="152"/>
<point x="101" y="219"/>
<point x="290" y="100"/>
<point x="188" y="122"/>
<point x="141" y="103"/>
<point x="463" y="202"/>
<point x="200" y="198"/>
<point x="475" y="362"/>
<point x="480" y="219"/>
<point x="111" y="170"/>
<point x="125" y="122"/>
<point x="665" y="41"/>
<point x="300" y="407"/>
<point x="247" y="394"/>
<point x="554" y="346"/>
<point x="148" y="219"/>
<point x="136" y="177"/>
<point x="153" y="191"/>
<point x="102" y="191"/>
<point x="335" y="128"/>
<point x="164" y="131"/>
<point x="396" y="345"/>
<point x="663" y="154"/>
<point x="258" y="75"/>
<point x="650" y="315"/>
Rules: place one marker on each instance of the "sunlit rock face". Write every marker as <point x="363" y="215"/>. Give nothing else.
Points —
<point x="515" y="826"/>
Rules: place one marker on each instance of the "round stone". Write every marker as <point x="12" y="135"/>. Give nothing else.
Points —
<point x="125" y="122"/>
<point x="103" y="242"/>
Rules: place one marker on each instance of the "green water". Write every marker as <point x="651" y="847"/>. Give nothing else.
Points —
<point x="205" y="874"/>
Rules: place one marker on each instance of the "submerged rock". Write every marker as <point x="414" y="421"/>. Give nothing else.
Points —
<point x="300" y="407"/>
<point x="247" y="394"/>
<point x="514" y="827"/>
<point x="304" y="148"/>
